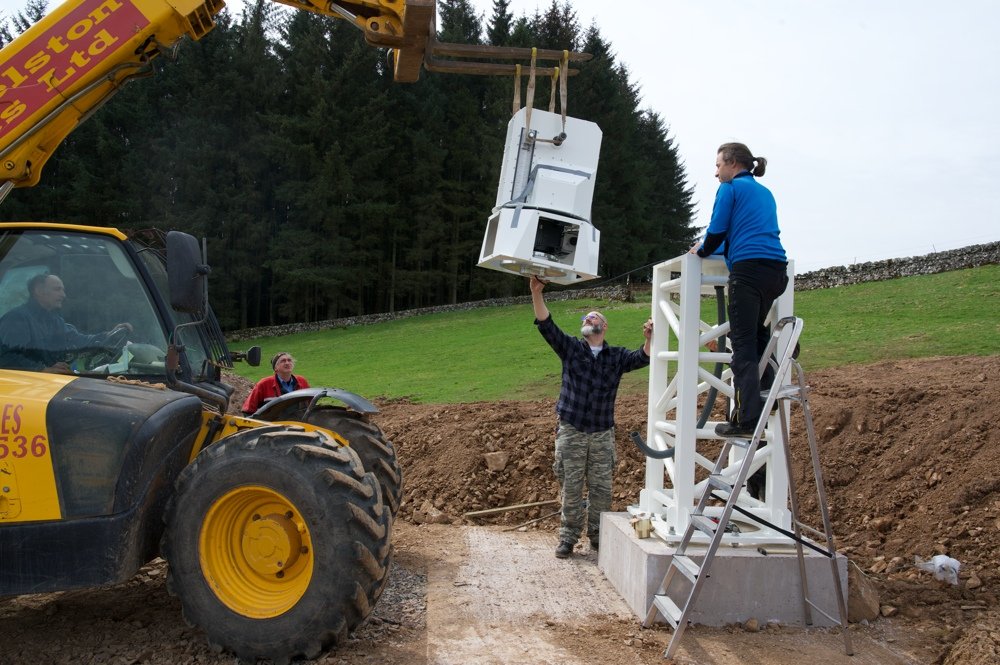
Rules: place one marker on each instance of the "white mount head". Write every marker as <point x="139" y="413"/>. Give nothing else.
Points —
<point x="541" y="222"/>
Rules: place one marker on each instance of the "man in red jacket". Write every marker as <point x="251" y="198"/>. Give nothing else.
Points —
<point x="281" y="382"/>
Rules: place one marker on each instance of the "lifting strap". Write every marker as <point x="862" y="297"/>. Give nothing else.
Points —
<point x="563" y="88"/>
<point x="552" y="89"/>
<point x="560" y="73"/>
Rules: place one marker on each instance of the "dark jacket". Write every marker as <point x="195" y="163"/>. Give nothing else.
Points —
<point x="33" y="338"/>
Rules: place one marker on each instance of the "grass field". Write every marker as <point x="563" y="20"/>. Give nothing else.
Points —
<point x="492" y="354"/>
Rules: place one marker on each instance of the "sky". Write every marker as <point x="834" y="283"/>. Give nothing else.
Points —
<point x="879" y="118"/>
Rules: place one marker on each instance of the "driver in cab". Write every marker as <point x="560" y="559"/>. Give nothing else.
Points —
<point x="35" y="337"/>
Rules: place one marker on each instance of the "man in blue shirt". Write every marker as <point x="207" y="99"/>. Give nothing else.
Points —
<point x="585" y="442"/>
<point x="745" y="217"/>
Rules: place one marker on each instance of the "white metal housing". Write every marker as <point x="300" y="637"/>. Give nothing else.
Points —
<point x="678" y="373"/>
<point x="540" y="224"/>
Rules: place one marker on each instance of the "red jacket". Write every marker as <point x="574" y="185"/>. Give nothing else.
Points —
<point x="267" y="388"/>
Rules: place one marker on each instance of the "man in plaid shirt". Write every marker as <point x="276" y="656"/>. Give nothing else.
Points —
<point x="585" y="442"/>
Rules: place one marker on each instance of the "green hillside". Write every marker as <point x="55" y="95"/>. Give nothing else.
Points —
<point x="492" y="354"/>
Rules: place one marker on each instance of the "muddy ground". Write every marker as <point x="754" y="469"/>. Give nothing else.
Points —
<point x="910" y="450"/>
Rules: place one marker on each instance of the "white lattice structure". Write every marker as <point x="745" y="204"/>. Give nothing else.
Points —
<point x="677" y="376"/>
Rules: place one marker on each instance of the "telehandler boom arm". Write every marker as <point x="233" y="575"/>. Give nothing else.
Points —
<point x="67" y="65"/>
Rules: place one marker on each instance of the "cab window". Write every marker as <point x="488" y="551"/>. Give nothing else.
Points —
<point x="73" y="303"/>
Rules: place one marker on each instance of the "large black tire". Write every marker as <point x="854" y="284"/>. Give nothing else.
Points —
<point x="367" y="439"/>
<point x="277" y="542"/>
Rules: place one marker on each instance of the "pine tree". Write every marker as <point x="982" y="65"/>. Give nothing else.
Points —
<point x="501" y="23"/>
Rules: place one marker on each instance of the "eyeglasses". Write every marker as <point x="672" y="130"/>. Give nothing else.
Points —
<point x="592" y="315"/>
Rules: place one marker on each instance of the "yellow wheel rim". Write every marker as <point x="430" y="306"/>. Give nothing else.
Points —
<point x="255" y="552"/>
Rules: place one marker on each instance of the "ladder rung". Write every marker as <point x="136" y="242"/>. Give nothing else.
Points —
<point x="806" y="527"/>
<point x="719" y="482"/>
<point x="789" y="391"/>
<point x="668" y="608"/>
<point x="687" y="566"/>
<point x="704" y="524"/>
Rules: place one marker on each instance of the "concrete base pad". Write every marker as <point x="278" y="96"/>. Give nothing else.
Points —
<point x="742" y="582"/>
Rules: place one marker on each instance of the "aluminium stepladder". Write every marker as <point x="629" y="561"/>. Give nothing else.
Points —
<point x="678" y="615"/>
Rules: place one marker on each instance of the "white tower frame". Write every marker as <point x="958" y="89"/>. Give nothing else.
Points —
<point x="675" y="381"/>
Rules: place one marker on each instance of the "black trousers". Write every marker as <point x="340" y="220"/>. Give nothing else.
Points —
<point x="754" y="285"/>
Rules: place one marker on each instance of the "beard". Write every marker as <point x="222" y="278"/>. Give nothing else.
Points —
<point x="589" y="330"/>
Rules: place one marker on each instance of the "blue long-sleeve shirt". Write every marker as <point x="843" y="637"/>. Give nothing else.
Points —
<point x="745" y="217"/>
<point x="589" y="383"/>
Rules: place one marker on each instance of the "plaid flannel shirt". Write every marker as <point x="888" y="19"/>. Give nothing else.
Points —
<point x="589" y="383"/>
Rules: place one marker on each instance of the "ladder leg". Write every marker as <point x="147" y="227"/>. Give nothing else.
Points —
<point x="824" y="511"/>
<point x="679" y="617"/>
<point x="793" y="502"/>
<point x="720" y="530"/>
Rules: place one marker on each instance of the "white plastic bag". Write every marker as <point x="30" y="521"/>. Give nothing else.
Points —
<point x="944" y="567"/>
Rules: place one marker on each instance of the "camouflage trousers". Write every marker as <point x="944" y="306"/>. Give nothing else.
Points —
<point x="583" y="457"/>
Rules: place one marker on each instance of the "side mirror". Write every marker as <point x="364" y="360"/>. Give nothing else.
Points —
<point x="251" y="356"/>
<point x="186" y="273"/>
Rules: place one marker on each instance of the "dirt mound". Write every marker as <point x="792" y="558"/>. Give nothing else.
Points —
<point x="909" y="450"/>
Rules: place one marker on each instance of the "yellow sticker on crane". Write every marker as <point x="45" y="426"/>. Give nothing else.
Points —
<point x="28" y="490"/>
<point x="68" y="44"/>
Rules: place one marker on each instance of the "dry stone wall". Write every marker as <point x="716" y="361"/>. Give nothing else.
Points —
<point x="604" y="293"/>
<point x="872" y="271"/>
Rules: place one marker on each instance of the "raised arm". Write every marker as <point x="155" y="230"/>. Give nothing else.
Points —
<point x="537" y="299"/>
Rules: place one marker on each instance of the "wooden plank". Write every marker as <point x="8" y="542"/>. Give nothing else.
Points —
<point x="504" y="509"/>
<point x="501" y="52"/>
<point x="483" y="68"/>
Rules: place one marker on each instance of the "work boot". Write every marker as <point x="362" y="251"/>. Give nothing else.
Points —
<point x="564" y="549"/>
<point x="734" y="430"/>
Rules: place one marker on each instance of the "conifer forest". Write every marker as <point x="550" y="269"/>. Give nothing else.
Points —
<point x="325" y="189"/>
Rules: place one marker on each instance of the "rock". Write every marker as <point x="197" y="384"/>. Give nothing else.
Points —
<point x="862" y="596"/>
<point x="973" y="582"/>
<point x="881" y="524"/>
<point x="496" y="461"/>
<point x="751" y="625"/>
<point x="428" y="514"/>
<point x="888" y="611"/>
<point x="932" y="477"/>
